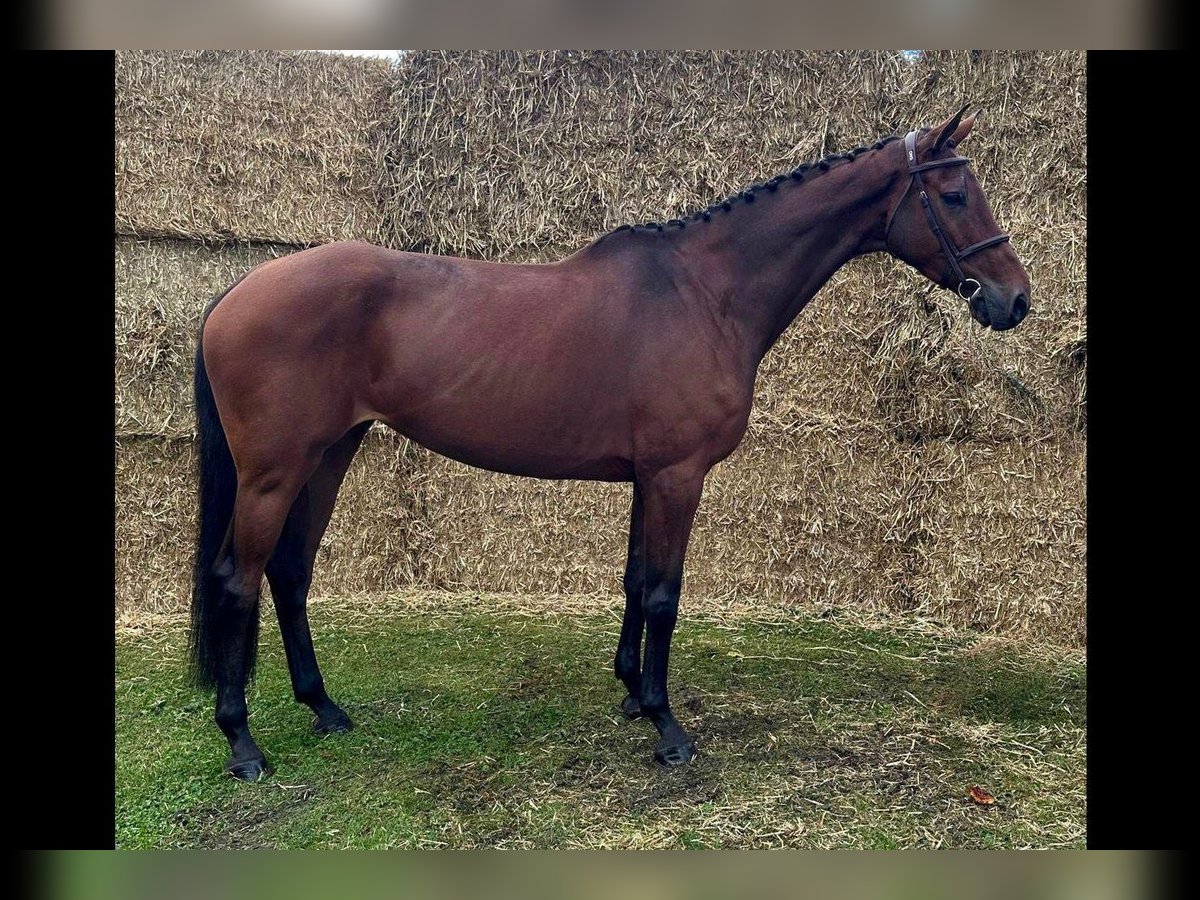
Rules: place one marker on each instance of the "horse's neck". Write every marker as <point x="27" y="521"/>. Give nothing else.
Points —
<point x="782" y="250"/>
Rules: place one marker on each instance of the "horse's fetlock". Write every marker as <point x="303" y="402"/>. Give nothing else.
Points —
<point x="653" y="701"/>
<point x="626" y="663"/>
<point x="230" y="717"/>
<point x="309" y="691"/>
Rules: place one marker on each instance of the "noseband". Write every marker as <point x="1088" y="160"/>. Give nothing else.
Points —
<point x="953" y="254"/>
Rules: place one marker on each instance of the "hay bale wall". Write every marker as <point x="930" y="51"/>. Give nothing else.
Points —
<point x="155" y="521"/>
<point x="368" y="547"/>
<point x="999" y="541"/>
<point x="260" y="145"/>
<point x="162" y="287"/>
<point x="878" y="471"/>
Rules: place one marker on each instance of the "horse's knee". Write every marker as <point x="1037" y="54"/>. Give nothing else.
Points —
<point x="661" y="605"/>
<point x="634" y="582"/>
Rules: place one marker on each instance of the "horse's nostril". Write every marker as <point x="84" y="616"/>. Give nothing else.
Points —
<point x="1020" y="307"/>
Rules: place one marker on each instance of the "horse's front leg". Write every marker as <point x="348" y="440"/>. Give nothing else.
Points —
<point x="670" y="497"/>
<point x="628" y="664"/>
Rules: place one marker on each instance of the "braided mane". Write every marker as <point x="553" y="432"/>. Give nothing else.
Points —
<point x="747" y="195"/>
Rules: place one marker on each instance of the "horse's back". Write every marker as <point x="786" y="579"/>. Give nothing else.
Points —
<point x="520" y="368"/>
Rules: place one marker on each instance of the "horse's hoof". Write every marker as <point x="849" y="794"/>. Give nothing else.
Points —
<point x="671" y="755"/>
<point x="248" y="769"/>
<point x="630" y="707"/>
<point x="335" y="724"/>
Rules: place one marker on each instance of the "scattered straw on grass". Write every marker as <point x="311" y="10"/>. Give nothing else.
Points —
<point x="498" y="730"/>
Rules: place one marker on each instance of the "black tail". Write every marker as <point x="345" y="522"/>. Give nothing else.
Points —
<point x="218" y="490"/>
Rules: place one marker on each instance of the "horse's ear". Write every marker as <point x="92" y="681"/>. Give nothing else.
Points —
<point x="964" y="128"/>
<point x="949" y="129"/>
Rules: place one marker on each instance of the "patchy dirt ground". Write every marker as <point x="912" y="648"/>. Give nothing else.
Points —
<point x="502" y="730"/>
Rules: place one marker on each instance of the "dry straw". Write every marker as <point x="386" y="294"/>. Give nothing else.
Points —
<point x="899" y="458"/>
<point x="162" y="287"/>
<point x="258" y="145"/>
<point x="999" y="541"/>
<point x="522" y="157"/>
<point x="368" y="546"/>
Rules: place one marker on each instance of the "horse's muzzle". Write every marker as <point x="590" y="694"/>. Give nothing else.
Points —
<point x="989" y="311"/>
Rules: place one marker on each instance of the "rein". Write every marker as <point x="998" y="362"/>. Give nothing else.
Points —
<point x="953" y="255"/>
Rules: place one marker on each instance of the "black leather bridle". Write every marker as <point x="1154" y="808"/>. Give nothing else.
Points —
<point x="953" y="254"/>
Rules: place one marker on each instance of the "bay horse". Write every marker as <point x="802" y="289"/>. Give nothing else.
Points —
<point x="631" y="360"/>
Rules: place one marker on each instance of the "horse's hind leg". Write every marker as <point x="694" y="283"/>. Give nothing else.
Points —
<point x="627" y="665"/>
<point x="289" y="573"/>
<point x="264" y="498"/>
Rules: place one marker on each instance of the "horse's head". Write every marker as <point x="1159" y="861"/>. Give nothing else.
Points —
<point x="941" y="224"/>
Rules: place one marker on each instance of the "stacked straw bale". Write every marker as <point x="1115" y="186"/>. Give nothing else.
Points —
<point x="527" y="157"/>
<point x="155" y="487"/>
<point x="899" y="458"/>
<point x="492" y="532"/>
<point x="813" y="516"/>
<point x="368" y="547"/>
<point x="162" y="286"/>
<point x="1000" y="542"/>
<point x="260" y="145"/>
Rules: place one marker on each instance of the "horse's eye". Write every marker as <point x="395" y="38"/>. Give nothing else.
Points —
<point x="955" y="198"/>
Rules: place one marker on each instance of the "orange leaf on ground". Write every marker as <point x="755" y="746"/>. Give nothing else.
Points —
<point x="979" y="795"/>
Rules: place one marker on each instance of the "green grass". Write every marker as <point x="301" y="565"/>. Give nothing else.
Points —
<point x="502" y="730"/>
